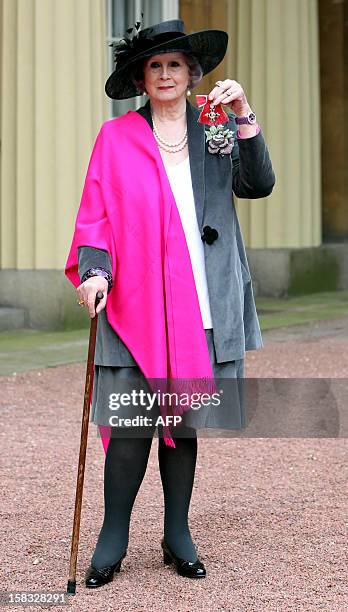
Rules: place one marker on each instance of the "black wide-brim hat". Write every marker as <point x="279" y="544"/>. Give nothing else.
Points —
<point x="208" y="46"/>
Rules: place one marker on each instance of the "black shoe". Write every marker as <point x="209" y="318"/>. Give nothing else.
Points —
<point x="190" y="569"/>
<point x="97" y="577"/>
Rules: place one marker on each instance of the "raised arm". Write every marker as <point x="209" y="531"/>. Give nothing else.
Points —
<point x="253" y="175"/>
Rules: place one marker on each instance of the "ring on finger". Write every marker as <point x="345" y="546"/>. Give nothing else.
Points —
<point x="227" y="95"/>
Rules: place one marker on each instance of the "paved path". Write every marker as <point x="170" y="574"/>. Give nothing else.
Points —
<point x="269" y="516"/>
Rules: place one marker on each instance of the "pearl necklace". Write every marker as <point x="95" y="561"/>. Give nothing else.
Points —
<point x="170" y="147"/>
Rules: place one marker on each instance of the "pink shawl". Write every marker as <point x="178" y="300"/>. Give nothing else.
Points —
<point x="128" y="208"/>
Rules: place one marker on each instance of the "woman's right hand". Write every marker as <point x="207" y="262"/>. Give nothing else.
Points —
<point x="88" y="290"/>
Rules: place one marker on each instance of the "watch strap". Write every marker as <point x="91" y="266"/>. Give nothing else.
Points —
<point x="250" y="119"/>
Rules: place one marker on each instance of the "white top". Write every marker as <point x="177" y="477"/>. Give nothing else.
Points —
<point x="180" y="181"/>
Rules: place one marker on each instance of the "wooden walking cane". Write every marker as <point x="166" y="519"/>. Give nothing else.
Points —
<point x="71" y="589"/>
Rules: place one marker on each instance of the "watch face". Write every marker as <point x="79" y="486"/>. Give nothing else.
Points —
<point x="252" y="118"/>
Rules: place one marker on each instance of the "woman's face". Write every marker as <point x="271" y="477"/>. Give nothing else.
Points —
<point x="166" y="76"/>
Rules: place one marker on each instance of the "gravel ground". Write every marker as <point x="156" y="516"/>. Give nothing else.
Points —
<point x="268" y="515"/>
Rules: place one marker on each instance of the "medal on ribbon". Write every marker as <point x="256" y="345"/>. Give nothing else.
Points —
<point x="220" y="139"/>
<point x="210" y="114"/>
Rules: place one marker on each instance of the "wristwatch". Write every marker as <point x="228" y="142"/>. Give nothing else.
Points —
<point x="250" y="119"/>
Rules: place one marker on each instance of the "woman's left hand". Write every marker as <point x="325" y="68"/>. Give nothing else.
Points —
<point x="230" y="93"/>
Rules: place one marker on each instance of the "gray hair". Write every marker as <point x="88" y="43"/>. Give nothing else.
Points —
<point x="195" y="72"/>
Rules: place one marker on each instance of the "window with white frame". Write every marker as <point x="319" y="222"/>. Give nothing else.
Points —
<point x="123" y="14"/>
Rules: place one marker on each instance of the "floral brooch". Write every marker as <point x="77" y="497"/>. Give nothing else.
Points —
<point x="220" y="140"/>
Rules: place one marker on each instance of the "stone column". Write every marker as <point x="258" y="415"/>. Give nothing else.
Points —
<point x="53" y="103"/>
<point x="273" y="53"/>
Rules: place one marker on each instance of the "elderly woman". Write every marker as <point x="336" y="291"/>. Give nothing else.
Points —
<point x="157" y="233"/>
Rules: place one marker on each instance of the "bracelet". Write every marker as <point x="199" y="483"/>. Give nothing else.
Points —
<point x="98" y="272"/>
<point x="258" y="130"/>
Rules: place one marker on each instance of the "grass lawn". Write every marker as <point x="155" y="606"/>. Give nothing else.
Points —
<point x="27" y="349"/>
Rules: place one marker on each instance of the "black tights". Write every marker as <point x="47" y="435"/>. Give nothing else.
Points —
<point x="125" y="466"/>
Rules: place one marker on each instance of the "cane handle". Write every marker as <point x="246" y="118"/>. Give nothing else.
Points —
<point x="98" y="297"/>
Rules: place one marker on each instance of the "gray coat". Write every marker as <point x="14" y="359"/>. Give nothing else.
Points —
<point x="248" y="173"/>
